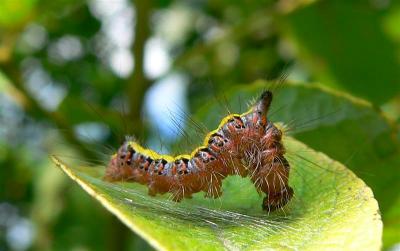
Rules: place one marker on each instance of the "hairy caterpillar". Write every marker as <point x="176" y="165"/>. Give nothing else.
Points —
<point x="247" y="145"/>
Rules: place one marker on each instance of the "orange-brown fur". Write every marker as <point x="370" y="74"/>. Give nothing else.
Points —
<point x="245" y="145"/>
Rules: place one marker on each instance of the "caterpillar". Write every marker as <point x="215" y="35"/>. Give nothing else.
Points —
<point x="247" y="144"/>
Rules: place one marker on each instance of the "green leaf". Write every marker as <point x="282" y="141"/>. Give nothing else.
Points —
<point x="345" y="45"/>
<point x="332" y="209"/>
<point x="13" y="13"/>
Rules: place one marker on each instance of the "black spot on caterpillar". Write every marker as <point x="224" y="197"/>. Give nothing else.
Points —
<point x="245" y="144"/>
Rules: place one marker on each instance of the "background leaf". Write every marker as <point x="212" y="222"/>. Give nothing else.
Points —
<point x="13" y="13"/>
<point x="346" y="45"/>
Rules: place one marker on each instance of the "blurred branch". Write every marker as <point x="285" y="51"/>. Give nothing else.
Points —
<point x="136" y="88"/>
<point x="6" y="45"/>
<point x="287" y="6"/>
<point x="32" y="107"/>
<point x="138" y="82"/>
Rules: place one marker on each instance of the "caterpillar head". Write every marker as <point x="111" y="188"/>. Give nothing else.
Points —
<point x="258" y="115"/>
<point x="263" y="103"/>
<point x="115" y="168"/>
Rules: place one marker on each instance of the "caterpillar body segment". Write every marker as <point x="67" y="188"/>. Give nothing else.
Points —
<point x="247" y="145"/>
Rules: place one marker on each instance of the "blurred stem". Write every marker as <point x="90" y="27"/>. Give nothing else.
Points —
<point x="138" y="83"/>
<point x="32" y="107"/>
<point x="136" y="88"/>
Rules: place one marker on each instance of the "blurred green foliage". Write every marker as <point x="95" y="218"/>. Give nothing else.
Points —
<point x="67" y="64"/>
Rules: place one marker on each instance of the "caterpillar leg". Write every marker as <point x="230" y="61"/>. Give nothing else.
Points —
<point x="177" y="195"/>
<point x="274" y="201"/>
<point x="213" y="189"/>
<point x="181" y="192"/>
<point x="152" y="191"/>
<point x="213" y="192"/>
